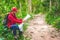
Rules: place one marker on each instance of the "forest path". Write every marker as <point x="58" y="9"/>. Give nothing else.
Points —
<point x="38" y="29"/>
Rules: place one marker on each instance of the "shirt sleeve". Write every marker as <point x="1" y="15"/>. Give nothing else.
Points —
<point x="14" y="20"/>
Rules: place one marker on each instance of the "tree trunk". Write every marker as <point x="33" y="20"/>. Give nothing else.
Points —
<point x="29" y="6"/>
<point x="26" y="2"/>
<point x="21" y="9"/>
<point x="50" y="5"/>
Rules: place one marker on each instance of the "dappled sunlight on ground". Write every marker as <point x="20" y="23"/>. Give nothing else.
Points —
<point x="38" y="29"/>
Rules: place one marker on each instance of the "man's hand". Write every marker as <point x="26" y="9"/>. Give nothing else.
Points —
<point x="24" y="21"/>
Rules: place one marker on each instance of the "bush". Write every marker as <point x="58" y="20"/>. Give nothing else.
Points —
<point x="53" y="17"/>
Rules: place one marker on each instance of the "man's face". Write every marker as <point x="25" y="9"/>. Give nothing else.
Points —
<point x="14" y="12"/>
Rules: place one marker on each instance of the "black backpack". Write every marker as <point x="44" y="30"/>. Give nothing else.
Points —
<point x="5" y="20"/>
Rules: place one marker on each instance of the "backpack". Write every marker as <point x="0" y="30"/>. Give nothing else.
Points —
<point x="5" y="20"/>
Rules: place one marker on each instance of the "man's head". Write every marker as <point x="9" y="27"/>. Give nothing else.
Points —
<point x="14" y="9"/>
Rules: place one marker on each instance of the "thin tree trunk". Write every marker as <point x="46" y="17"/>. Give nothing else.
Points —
<point x="42" y="0"/>
<point x="29" y="6"/>
<point x="57" y="3"/>
<point x="50" y="5"/>
<point x="20" y="9"/>
<point x="26" y="1"/>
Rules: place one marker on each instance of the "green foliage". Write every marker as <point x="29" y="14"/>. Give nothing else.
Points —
<point x="57" y="24"/>
<point x="5" y="7"/>
<point x="53" y="17"/>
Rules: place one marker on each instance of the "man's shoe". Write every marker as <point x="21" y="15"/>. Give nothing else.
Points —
<point x="20" y="33"/>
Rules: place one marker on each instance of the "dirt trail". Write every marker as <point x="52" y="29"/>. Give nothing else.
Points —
<point x="38" y="29"/>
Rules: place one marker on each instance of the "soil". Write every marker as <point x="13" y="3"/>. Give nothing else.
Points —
<point x="38" y="29"/>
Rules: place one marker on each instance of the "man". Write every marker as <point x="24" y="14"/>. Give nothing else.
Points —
<point x="12" y="20"/>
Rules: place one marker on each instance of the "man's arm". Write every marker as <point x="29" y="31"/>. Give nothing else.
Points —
<point x="14" y="20"/>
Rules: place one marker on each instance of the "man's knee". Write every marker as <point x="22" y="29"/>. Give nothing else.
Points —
<point x="14" y="27"/>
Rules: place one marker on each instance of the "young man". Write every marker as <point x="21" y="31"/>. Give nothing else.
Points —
<point x="12" y="20"/>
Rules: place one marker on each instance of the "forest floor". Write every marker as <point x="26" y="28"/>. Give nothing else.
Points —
<point x="38" y="29"/>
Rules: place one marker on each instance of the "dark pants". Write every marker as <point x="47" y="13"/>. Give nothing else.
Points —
<point x="14" y="27"/>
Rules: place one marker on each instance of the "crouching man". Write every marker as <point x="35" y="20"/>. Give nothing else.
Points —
<point x="12" y="20"/>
